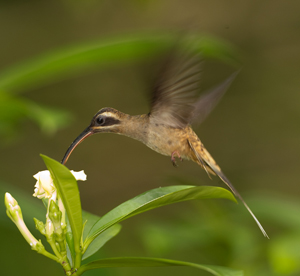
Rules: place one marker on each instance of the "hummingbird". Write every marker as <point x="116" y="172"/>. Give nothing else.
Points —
<point x="167" y="129"/>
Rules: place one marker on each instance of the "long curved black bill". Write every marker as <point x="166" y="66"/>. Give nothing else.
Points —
<point x="86" y="133"/>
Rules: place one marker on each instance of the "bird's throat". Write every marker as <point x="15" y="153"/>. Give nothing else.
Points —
<point x="136" y="127"/>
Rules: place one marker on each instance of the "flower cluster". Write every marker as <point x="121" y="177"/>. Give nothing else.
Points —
<point x="54" y="229"/>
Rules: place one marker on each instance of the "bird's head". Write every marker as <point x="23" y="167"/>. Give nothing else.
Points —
<point x="105" y="120"/>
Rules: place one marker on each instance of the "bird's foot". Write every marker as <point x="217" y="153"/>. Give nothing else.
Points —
<point x="173" y="158"/>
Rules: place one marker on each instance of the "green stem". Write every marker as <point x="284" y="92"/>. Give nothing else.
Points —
<point x="78" y="256"/>
<point x="61" y="256"/>
<point x="49" y="255"/>
<point x="65" y="262"/>
<point x="78" y="272"/>
<point x="54" y="248"/>
<point x="66" y="266"/>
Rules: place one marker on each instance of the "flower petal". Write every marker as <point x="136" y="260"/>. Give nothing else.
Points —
<point x="79" y="175"/>
<point x="44" y="187"/>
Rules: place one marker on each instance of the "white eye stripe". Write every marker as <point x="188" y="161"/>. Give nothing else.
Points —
<point x="108" y="114"/>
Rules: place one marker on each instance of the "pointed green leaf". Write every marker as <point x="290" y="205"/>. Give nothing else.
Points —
<point x="67" y="188"/>
<point x="76" y="58"/>
<point x="100" y="240"/>
<point x="153" y="199"/>
<point x="71" y="60"/>
<point x="89" y="220"/>
<point x="156" y="262"/>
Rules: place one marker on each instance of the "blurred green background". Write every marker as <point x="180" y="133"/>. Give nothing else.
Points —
<point x="253" y="133"/>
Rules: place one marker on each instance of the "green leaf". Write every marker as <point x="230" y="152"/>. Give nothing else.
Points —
<point x="100" y="240"/>
<point x="212" y="47"/>
<point x="89" y="220"/>
<point x="71" y="60"/>
<point x="49" y="119"/>
<point x="155" y="262"/>
<point x="13" y="111"/>
<point x="67" y="187"/>
<point x="153" y="199"/>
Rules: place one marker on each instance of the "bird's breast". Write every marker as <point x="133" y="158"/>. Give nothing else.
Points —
<point x="165" y="140"/>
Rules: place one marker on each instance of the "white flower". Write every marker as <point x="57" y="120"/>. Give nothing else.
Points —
<point x="79" y="175"/>
<point x="44" y="187"/>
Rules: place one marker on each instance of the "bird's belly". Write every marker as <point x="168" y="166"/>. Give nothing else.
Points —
<point x="163" y="147"/>
<point x="166" y="141"/>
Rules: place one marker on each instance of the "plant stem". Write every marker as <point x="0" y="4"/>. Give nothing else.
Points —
<point x="78" y="256"/>
<point x="49" y="255"/>
<point x="54" y="248"/>
<point x="61" y="258"/>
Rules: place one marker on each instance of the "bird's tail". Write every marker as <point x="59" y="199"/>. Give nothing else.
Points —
<point x="215" y="168"/>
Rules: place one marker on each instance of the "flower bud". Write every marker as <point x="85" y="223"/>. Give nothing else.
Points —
<point x="55" y="214"/>
<point x="14" y="212"/>
<point x="40" y="226"/>
<point x="63" y="211"/>
<point x="49" y="228"/>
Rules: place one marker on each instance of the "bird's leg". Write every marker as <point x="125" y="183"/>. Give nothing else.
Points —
<point x="173" y="157"/>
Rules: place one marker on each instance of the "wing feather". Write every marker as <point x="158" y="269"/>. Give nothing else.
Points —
<point x="175" y="93"/>
<point x="174" y="100"/>
<point x="207" y="102"/>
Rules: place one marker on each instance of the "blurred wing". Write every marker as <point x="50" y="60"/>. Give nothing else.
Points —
<point x="174" y="95"/>
<point x="209" y="100"/>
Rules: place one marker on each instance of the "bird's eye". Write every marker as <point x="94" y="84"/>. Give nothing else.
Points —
<point x="100" y="121"/>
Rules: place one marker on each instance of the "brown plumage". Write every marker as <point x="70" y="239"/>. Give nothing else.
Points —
<point x="166" y="129"/>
